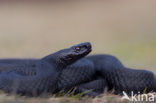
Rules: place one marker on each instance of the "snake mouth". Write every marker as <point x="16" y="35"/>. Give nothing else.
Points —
<point x="88" y="51"/>
<point x="88" y="47"/>
<point x="83" y="48"/>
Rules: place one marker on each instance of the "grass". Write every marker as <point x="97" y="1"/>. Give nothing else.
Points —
<point x="70" y="97"/>
<point x="106" y="98"/>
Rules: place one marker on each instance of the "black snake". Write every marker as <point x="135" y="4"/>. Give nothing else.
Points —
<point x="69" y="68"/>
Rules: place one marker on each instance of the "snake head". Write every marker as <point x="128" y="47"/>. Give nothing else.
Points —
<point x="67" y="56"/>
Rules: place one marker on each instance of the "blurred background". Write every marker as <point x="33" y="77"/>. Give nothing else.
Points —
<point x="123" y="28"/>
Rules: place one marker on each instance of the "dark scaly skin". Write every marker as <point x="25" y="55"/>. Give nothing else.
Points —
<point x="77" y="73"/>
<point x="83" y="76"/>
<point x="8" y="64"/>
<point x="26" y="79"/>
<point x="100" y="71"/>
<point x="121" y="78"/>
<point x="93" y="88"/>
<point x="35" y="77"/>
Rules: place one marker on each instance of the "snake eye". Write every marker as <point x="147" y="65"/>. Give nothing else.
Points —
<point x="77" y="48"/>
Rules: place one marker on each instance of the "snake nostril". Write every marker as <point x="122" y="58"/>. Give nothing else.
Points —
<point x="88" y="46"/>
<point x="85" y="46"/>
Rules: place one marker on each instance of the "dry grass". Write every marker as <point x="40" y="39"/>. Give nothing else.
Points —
<point x="107" y="98"/>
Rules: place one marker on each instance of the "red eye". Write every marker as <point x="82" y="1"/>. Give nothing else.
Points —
<point x="77" y="48"/>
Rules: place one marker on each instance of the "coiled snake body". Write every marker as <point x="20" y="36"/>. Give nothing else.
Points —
<point x="67" y="68"/>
